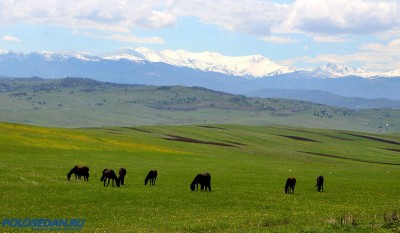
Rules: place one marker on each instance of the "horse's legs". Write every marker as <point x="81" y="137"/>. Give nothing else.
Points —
<point x="108" y="181"/>
<point x="104" y="181"/>
<point x="202" y="187"/>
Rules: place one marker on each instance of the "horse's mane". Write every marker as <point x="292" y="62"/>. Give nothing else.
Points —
<point x="72" y="171"/>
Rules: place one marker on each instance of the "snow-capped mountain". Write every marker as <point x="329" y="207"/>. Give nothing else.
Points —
<point x="252" y="66"/>
<point x="255" y="66"/>
<point x="339" y="70"/>
<point x="206" y="69"/>
<point x="65" y="55"/>
<point x="393" y="73"/>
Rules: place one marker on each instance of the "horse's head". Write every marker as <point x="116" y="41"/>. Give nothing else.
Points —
<point x="192" y="187"/>
<point x="68" y="176"/>
<point x="118" y="181"/>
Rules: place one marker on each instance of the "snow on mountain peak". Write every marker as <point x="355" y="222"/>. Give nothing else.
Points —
<point x="128" y="54"/>
<point x="251" y="66"/>
<point x="65" y="55"/>
<point x="248" y="66"/>
<point x="339" y="70"/>
<point x="391" y="74"/>
<point x="5" y="51"/>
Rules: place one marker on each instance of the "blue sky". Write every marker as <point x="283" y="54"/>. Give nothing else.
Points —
<point x="303" y="33"/>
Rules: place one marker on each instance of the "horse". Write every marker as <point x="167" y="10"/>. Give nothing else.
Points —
<point x="289" y="186"/>
<point x="320" y="183"/>
<point x="79" y="171"/>
<point x="204" y="180"/>
<point x="122" y="173"/>
<point x="152" y="176"/>
<point x="110" y="175"/>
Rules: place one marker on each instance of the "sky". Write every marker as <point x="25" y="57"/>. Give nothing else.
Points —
<point x="302" y="33"/>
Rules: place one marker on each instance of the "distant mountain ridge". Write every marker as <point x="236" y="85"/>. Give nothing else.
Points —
<point x="252" y="66"/>
<point x="238" y="75"/>
<point x="326" y="98"/>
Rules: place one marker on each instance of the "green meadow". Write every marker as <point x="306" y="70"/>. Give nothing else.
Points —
<point x="248" y="165"/>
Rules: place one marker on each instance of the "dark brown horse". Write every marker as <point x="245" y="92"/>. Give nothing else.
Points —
<point x="79" y="171"/>
<point x="152" y="176"/>
<point x="320" y="183"/>
<point x="122" y="173"/>
<point x="204" y="180"/>
<point x="110" y="175"/>
<point x="289" y="186"/>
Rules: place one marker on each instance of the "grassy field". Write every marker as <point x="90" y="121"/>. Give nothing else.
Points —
<point x="248" y="165"/>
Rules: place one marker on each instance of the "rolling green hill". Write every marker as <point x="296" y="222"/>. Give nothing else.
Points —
<point x="76" y="102"/>
<point x="248" y="165"/>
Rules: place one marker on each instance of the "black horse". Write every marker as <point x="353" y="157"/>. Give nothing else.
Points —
<point x="204" y="180"/>
<point x="110" y="175"/>
<point x="152" y="176"/>
<point x="289" y="186"/>
<point x="79" y="171"/>
<point x="122" y="173"/>
<point x="320" y="183"/>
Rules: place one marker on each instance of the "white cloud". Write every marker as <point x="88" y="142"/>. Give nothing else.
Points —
<point x="329" y="39"/>
<point x="324" y="21"/>
<point x="374" y="56"/>
<point x="343" y="17"/>
<point x="10" y="38"/>
<point x="156" y="19"/>
<point x="278" y="39"/>
<point x="135" y="39"/>
<point x="117" y="16"/>
<point x="122" y="37"/>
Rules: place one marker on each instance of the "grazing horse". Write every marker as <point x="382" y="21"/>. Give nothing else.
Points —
<point x="289" y="186"/>
<point x="79" y="171"/>
<point x="204" y="180"/>
<point x="122" y="173"/>
<point x="320" y="183"/>
<point x="152" y="176"/>
<point x="110" y="175"/>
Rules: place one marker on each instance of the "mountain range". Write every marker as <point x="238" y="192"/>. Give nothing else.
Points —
<point x="239" y="75"/>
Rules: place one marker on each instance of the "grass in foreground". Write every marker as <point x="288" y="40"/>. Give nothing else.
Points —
<point x="361" y="178"/>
